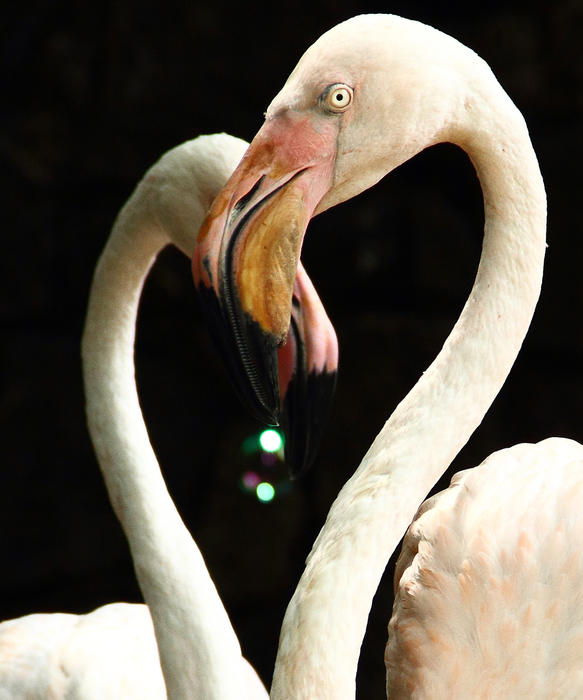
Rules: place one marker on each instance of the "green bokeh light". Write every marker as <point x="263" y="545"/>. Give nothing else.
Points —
<point x="270" y="440"/>
<point x="265" y="492"/>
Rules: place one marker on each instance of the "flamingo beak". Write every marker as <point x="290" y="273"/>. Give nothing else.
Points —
<point x="248" y="249"/>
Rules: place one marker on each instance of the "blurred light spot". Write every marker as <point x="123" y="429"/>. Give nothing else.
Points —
<point x="249" y="445"/>
<point x="265" y="492"/>
<point x="270" y="440"/>
<point x="268" y="459"/>
<point x="250" y="481"/>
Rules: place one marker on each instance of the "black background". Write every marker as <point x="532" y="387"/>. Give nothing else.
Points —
<point x="91" y="97"/>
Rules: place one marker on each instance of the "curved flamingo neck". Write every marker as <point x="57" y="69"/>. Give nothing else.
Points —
<point x="198" y="649"/>
<point x="326" y="619"/>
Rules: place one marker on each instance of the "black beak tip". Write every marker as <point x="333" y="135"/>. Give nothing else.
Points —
<point x="249" y="354"/>
<point x="306" y="408"/>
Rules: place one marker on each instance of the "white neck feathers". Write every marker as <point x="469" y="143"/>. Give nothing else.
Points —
<point x="326" y="618"/>
<point x="200" y="653"/>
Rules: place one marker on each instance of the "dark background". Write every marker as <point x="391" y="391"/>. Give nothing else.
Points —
<point x="90" y="98"/>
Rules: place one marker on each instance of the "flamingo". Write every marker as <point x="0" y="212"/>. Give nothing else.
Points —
<point x="182" y="645"/>
<point x="487" y="595"/>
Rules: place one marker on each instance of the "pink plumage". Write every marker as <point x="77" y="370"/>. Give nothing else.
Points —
<point x="489" y="583"/>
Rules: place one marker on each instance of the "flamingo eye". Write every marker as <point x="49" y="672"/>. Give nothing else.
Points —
<point x="337" y="97"/>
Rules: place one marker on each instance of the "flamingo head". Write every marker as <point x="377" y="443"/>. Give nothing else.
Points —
<point x="362" y="100"/>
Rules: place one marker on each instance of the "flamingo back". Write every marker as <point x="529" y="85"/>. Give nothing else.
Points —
<point x="489" y="584"/>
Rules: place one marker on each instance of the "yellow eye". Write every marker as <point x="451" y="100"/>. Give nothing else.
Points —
<point x="338" y="97"/>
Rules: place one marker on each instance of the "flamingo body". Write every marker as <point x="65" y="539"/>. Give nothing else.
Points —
<point x="110" y="652"/>
<point x="489" y="582"/>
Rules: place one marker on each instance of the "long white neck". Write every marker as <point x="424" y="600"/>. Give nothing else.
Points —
<point x="199" y="652"/>
<point x="326" y="619"/>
